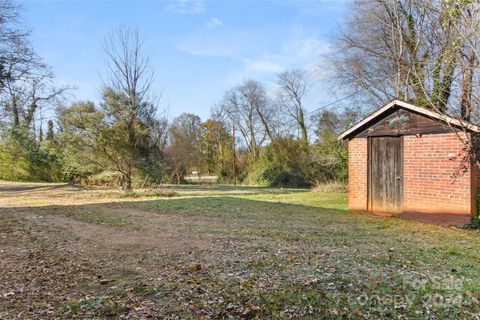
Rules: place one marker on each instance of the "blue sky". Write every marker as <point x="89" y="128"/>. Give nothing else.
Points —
<point x="198" y="49"/>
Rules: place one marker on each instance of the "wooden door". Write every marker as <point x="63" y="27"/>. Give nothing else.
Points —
<point x="386" y="174"/>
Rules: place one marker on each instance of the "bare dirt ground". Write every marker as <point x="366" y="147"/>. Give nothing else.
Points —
<point x="217" y="252"/>
<point x="53" y="262"/>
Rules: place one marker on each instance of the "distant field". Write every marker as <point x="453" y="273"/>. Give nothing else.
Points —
<point x="218" y="252"/>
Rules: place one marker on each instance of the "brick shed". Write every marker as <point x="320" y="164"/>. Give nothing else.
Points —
<point x="404" y="159"/>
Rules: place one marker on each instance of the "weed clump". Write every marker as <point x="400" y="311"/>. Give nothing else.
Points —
<point x="474" y="224"/>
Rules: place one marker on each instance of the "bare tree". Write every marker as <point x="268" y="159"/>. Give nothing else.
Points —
<point x="248" y="108"/>
<point x="26" y="82"/>
<point x="129" y="72"/>
<point x="128" y="101"/>
<point x="16" y="53"/>
<point x="183" y="149"/>
<point x="253" y="93"/>
<point x="24" y="97"/>
<point x="290" y="98"/>
<point x="408" y="49"/>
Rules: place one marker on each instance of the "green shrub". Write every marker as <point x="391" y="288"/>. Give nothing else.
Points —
<point x="474" y="224"/>
<point x="283" y="163"/>
<point x="22" y="158"/>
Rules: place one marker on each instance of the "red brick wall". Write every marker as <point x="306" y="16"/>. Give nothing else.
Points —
<point x="357" y="174"/>
<point x="429" y="166"/>
<point x="430" y="161"/>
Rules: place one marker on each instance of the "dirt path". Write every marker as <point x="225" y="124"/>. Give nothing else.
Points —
<point x="148" y="231"/>
<point x="55" y="256"/>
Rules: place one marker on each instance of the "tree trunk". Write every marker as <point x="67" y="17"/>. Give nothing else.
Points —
<point x="447" y="83"/>
<point x="253" y="146"/>
<point x="128" y="180"/>
<point x="265" y="124"/>
<point x="303" y="127"/>
<point x="30" y="114"/>
<point x="129" y="184"/>
<point x="178" y="175"/>
<point x="466" y="100"/>
<point x="16" y="116"/>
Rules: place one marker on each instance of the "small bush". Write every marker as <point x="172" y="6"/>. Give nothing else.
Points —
<point x="103" y="179"/>
<point x="474" y="224"/>
<point x="332" y="186"/>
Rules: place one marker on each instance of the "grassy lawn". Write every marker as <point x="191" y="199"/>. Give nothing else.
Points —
<point x="223" y="252"/>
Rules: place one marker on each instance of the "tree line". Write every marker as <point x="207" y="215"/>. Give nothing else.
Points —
<point x="423" y="52"/>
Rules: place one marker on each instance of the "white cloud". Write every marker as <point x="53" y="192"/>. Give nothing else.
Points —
<point x="256" y="56"/>
<point x="263" y="66"/>
<point x="299" y="53"/>
<point x="214" y="23"/>
<point x="206" y="48"/>
<point x="186" y="6"/>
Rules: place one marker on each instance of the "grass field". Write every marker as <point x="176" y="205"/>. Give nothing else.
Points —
<point x="222" y="252"/>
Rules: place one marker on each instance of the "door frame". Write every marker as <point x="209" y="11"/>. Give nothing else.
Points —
<point x="369" y="171"/>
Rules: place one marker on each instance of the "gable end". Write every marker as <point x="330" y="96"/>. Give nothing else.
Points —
<point x="398" y="122"/>
<point x="401" y="118"/>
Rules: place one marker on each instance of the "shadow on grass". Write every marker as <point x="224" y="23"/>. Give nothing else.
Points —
<point x="20" y="188"/>
<point x="206" y="209"/>
<point x="224" y="187"/>
<point x="206" y="187"/>
<point x="184" y="190"/>
<point x="225" y="193"/>
<point x="215" y="205"/>
<point x="213" y="199"/>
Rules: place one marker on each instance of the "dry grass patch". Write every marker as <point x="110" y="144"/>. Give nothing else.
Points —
<point x="219" y="252"/>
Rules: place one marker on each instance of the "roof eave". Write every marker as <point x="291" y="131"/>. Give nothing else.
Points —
<point x="447" y="119"/>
